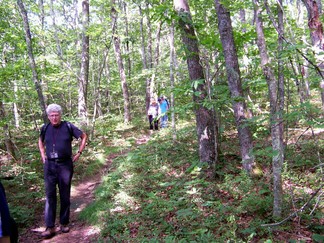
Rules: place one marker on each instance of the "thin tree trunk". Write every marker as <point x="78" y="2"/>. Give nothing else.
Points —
<point x="149" y="37"/>
<point x="102" y="59"/>
<point x="247" y="93"/>
<point x="84" y="71"/>
<point x="124" y="86"/>
<point x="57" y="40"/>
<point x="157" y="48"/>
<point x="298" y="82"/>
<point x="143" y="51"/>
<point x="172" y="70"/>
<point x="235" y="86"/>
<point x="278" y="139"/>
<point x="204" y="117"/>
<point x="128" y="61"/>
<point x="107" y="92"/>
<point x="15" y="106"/>
<point x="7" y="136"/>
<point x="32" y="63"/>
<point x="275" y="112"/>
<point x="144" y="59"/>
<point x="305" y="76"/>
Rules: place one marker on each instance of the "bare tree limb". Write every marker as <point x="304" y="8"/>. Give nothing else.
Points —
<point x="295" y="213"/>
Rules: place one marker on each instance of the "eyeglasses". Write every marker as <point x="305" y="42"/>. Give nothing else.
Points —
<point x="54" y="115"/>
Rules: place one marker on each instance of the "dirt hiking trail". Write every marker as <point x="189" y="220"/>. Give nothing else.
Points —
<point x="82" y="194"/>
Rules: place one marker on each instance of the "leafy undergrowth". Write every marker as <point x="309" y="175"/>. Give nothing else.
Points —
<point x="23" y="177"/>
<point x="159" y="192"/>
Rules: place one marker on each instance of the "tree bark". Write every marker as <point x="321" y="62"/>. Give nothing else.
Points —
<point x="157" y="47"/>
<point x="6" y="131"/>
<point x="276" y="111"/>
<point x="128" y="61"/>
<point x="172" y="78"/>
<point x="149" y="55"/>
<point x="235" y="85"/>
<point x="144" y="59"/>
<point x="316" y="33"/>
<point x="57" y="40"/>
<point x="143" y="51"/>
<point x="204" y="117"/>
<point x="84" y="72"/>
<point x="15" y="106"/>
<point x="124" y="86"/>
<point x="32" y="63"/>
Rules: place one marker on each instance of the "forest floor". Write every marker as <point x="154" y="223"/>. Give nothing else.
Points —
<point x="82" y="194"/>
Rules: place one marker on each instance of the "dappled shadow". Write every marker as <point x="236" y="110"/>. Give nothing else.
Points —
<point x="162" y="194"/>
<point x="298" y="134"/>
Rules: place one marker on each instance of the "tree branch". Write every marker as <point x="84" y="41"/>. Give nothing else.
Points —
<point x="295" y="213"/>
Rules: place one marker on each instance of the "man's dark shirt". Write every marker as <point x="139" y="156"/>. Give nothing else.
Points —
<point x="4" y="212"/>
<point x="60" y="139"/>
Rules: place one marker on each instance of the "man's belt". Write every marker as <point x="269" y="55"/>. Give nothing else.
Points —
<point x="60" y="160"/>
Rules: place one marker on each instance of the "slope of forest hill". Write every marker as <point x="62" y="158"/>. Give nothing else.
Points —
<point x="142" y="187"/>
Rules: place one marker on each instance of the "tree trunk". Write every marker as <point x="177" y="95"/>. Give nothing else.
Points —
<point x="157" y="48"/>
<point x="57" y="40"/>
<point x="101" y="61"/>
<point x="316" y="33"/>
<point x="84" y="72"/>
<point x="275" y="113"/>
<point x="143" y="51"/>
<point x="32" y="63"/>
<point x="15" y="106"/>
<point x="108" y="97"/>
<point x="235" y="85"/>
<point x="7" y="136"/>
<point x="128" y="61"/>
<point x="119" y="60"/>
<point x="204" y="117"/>
<point x="299" y="84"/>
<point x="149" y="55"/>
<point x="172" y="70"/>
<point x="144" y="59"/>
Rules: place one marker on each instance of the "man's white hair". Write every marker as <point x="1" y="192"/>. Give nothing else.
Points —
<point x="53" y="108"/>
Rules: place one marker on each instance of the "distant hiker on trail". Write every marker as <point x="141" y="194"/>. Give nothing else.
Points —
<point x="164" y="106"/>
<point x="55" y="145"/>
<point x="152" y="113"/>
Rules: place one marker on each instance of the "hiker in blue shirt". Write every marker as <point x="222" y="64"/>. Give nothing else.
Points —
<point x="164" y="106"/>
<point x="55" y="145"/>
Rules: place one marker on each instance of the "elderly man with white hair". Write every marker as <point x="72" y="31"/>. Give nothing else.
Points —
<point x="55" y="145"/>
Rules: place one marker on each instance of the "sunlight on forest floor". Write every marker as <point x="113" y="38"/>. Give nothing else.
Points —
<point x="296" y="134"/>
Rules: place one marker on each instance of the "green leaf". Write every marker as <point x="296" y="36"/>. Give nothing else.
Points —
<point x="318" y="238"/>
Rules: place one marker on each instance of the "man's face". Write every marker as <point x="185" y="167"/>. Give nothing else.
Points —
<point x="55" y="118"/>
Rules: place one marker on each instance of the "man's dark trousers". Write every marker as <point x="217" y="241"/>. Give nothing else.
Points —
<point x="155" y="122"/>
<point x="58" y="172"/>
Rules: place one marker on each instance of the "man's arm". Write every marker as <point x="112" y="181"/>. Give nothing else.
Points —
<point x="42" y="149"/>
<point x="82" y="146"/>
